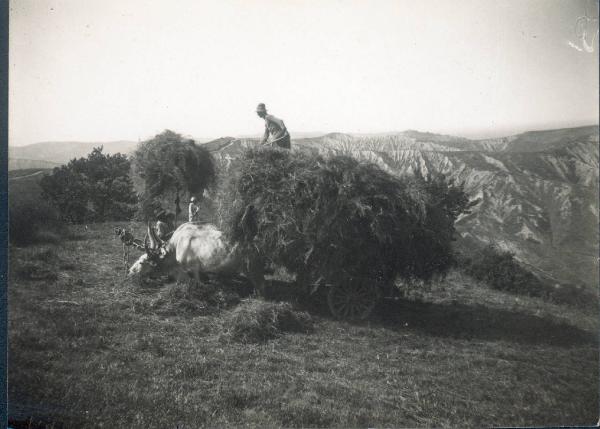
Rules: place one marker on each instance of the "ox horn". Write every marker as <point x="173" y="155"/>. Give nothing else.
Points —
<point x="150" y="237"/>
<point x="157" y="242"/>
<point x="146" y="247"/>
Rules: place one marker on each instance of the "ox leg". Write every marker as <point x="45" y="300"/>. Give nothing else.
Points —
<point x="182" y="277"/>
<point x="199" y="277"/>
<point x="196" y="278"/>
<point x="124" y="258"/>
<point x="191" y="277"/>
<point x="256" y="274"/>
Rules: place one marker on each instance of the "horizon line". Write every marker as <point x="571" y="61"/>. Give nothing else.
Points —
<point x="316" y="134"/>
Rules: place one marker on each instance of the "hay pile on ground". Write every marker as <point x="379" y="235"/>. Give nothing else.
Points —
<point x="336" y="216"/>
<point x="255" y="321"/>
<point x="176" y="299"/>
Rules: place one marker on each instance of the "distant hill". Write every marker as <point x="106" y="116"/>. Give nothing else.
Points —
<point x="55" y="153"/>
<point x="63" y="152"/>
<point x="20" y="164"/>
<point x="538" y="190"/>
<point x="26" y="172"/>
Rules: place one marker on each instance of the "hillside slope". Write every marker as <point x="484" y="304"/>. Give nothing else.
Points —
<point x="538" y="189"/>
<point x="23" y="164"/>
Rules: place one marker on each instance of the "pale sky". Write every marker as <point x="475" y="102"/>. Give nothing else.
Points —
<point x="102" y="70"/>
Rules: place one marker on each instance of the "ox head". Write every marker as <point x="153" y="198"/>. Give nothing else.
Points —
<point x="153" y="260"/>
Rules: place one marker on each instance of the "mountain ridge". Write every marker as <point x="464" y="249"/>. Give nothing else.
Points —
<point x="63" y="151"/>
<point x="539" y="203"/>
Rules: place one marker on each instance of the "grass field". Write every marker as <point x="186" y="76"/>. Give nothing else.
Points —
<point x="24" y="185"/>
<point x="89" y="348"/>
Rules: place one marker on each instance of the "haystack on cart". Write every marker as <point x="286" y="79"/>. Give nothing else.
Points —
<point x="349" y="224"/>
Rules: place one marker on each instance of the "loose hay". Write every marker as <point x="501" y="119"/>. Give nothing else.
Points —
<point x="181" y="298"/>
<point x="337" y="216"/>
<point x="255" y="321"/>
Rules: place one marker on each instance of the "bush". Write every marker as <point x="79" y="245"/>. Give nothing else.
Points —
<point x="34" y="221"/>
<point x="500" y="270"/>
<point x="96" y="188"/>
<point x="256" y="321"/>
<point x="574" y="295"/>
<point x="337" y="216"/>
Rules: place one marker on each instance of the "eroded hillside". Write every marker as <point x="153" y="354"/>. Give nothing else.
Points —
<point x="538" y="190"/>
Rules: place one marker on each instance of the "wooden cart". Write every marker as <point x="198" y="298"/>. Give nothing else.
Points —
<point x="352" y="297"/>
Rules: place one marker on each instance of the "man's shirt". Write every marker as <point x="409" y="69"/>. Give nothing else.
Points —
<point x="274" y="128"/>
<point x="193" y="210"/>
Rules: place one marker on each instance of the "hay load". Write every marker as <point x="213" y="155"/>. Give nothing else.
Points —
<point x="329" y="217"/>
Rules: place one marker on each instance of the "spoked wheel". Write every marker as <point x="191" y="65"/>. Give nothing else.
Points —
<point x="353" y="299"/>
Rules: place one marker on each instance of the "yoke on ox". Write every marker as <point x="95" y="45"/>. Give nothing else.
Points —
<point x="196" y="250"/>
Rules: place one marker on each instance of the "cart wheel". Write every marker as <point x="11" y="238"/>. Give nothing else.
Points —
<point x="353" y="299"/>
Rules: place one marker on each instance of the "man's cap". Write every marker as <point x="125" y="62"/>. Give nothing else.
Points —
<point x="261" y="107"/>
<point x="193" y="199"/>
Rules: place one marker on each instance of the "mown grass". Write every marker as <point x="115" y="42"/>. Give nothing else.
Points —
<point x="91" y="349"/>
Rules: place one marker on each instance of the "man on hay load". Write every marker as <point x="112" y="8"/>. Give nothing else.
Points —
<point x="276" y="134"/>
<point x="193" y="210"/>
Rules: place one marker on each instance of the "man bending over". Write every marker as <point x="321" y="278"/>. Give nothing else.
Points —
<point x="275" y="131"/>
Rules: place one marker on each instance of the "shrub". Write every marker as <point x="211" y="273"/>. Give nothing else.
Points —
<point x="500" y="270"/>
<point x="256" y="321"/>
<point x="96" y="188"/>
<point x="337" y="216"/>
<point x="574" y="295"/>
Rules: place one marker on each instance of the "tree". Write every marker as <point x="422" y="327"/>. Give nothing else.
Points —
<point x="67" y="189"/>
<point x="445" y="203"/>
<point x="96" y="188"/>
<point x="171" y="166"/>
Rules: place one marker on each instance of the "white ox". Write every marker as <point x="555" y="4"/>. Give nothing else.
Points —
<point x="196" y="250"/>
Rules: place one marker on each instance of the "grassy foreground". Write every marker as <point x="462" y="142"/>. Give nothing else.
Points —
<point x="88" y="348"/>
